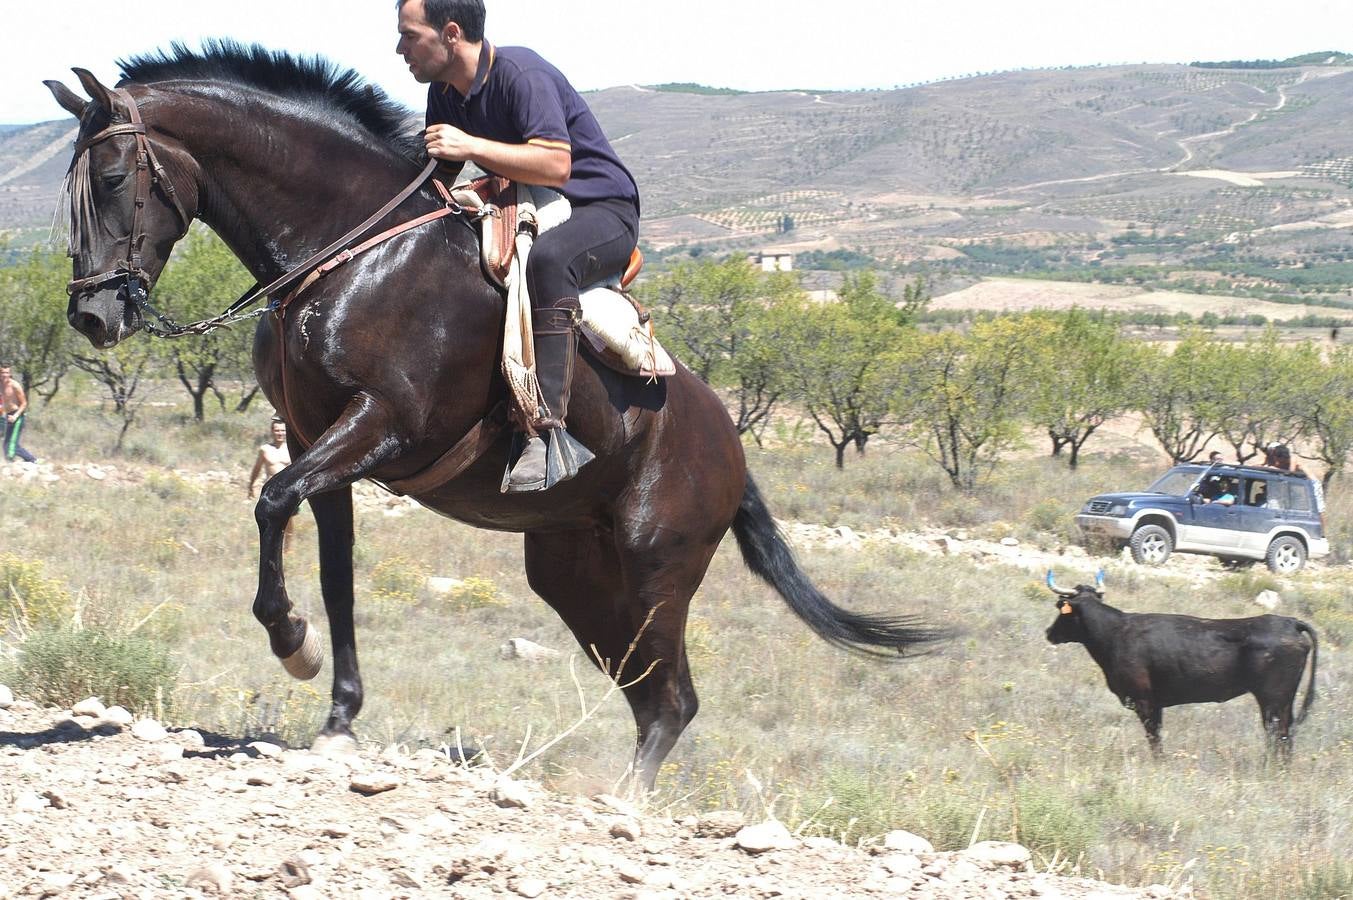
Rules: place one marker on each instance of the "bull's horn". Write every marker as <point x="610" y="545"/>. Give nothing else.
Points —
<point x="1060" y="591"/>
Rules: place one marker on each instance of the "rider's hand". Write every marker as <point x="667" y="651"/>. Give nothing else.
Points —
<point x="449" y="143"/>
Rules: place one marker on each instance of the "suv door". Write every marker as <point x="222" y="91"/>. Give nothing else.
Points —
<point x="1258" y="508"/>
<point x="1214" y="526"/>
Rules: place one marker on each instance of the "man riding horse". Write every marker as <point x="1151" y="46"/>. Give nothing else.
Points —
<point x="513" y="114"/>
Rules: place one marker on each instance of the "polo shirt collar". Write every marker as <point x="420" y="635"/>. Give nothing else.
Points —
<point x="481" y="74"/>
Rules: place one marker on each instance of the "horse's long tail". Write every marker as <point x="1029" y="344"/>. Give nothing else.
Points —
<point x="1310" y="682"/>
<point x="766" y="553"/>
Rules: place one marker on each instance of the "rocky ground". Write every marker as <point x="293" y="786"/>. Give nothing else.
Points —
<point x="94" y="804"/>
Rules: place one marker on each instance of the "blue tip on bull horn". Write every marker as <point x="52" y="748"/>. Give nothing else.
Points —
<point x="1099" y="578"/>
<point x="1049" y="578"/>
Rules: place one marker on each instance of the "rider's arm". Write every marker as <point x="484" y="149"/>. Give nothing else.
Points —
<point x="543" y="163"/>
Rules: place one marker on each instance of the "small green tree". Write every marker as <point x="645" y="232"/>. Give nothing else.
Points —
<point x="843" y="362"/>
<point x="1177" y="393"/>
<point x="965" y="397"/>
<point x="1084" y="377"/>
<point x="1327" y="417"/>
<point x="200" y="281"/>
<point x="726" y="321"/>
<point x="34" y="335"/>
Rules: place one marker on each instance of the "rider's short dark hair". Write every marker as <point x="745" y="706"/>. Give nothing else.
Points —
<point x="468" y="14"/>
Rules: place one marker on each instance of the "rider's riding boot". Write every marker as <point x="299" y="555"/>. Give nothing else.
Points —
<point x="558" y="457"/>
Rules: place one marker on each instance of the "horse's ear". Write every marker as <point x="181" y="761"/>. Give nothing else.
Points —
<point x="97" y="92"/>
<point x="70" y="101"/>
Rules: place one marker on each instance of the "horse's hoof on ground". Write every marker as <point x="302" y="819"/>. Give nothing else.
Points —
<point x="306" y="661"/>
<point x="334" y="745"/>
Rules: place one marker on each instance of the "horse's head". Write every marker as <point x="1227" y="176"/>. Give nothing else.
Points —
<point x="126" y="212"/>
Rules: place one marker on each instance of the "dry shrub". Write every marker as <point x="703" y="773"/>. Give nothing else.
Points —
<point x="28" y="599"/>
<point x="476" y="593"/>
<point x="398" y="580"/>
<point x="62" y="666"/>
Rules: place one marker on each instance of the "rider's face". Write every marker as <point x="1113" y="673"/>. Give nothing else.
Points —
<point x="424" y="48"/>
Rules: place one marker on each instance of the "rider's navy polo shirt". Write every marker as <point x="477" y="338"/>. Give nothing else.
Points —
<point x="516" y="98"/>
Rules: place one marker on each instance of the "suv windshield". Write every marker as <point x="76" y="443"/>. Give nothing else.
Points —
<point x="1176" y="482"/>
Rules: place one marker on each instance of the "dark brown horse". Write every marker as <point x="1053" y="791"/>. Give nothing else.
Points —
<point x="392" y="359"/>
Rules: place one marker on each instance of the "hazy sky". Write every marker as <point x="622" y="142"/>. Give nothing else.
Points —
<point x="837" y="44"/>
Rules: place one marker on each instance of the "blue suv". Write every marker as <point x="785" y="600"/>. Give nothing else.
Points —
<point x="1240" y="514"/>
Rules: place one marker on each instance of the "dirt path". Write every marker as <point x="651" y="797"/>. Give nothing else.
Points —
<point x="96" y="806"/>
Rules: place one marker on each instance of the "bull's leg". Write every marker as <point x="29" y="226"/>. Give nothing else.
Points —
<point x="355" y="445"/>
<point x="605" y="588"/>
<point x="1277" y="717"/>
<point x="1150" y="715"/>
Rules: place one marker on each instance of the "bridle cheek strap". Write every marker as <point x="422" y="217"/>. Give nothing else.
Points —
<point x="149" y="172"/>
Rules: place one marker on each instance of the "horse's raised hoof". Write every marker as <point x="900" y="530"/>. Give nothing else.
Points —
<point x="306" y="661"/>
<point x="334" y="745"/>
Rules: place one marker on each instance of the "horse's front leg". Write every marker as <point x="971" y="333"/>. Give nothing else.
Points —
<point x="360" y="441"/>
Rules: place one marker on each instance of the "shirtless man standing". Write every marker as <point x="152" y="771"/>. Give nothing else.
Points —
<point x="15" y="403"/>
<point x="273" y="457"/>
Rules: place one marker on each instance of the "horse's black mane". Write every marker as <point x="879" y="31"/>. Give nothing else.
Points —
<point x="311" y="78"/>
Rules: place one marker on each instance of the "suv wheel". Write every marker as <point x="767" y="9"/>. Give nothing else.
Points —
<point x="1286" y="555"/>
<point x="1151" y="545"/>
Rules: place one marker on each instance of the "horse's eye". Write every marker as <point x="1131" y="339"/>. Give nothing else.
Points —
<point x="113" y="179"/>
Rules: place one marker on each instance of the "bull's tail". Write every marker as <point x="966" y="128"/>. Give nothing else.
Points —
<point x="1310" y="682"/>
<point x="765" y="552"/>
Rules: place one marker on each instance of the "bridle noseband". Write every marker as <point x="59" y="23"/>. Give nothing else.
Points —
<point x="149" y="173"/>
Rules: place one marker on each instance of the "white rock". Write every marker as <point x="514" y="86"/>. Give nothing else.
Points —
<point x="54" y="883"/>
<point x="149" y="730"/>
<point x="90" y="706"/>
<point x="117" y="715"/>
<point x="212" y="878"/>
<point x="901" y="865"/>
<point x="521" y="648"/>
<point x="990" y="854"/>
<point x="906" y="842"/>
<point x="96" y="473"/>
<point x="1009" y="542"/>
<point x="509" y="794"/>
<point x="443" y="586"/>
<point x="529" y="887"/>
<point x="265" y="748"/>
<point x="190" y="739"/>
<point x="769" y="835"/>
<point x="1269" y="600"/>
<point x="6" y="697"/>
<point x="29" y="802"/>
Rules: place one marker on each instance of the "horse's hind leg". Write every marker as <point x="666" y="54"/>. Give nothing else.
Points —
<point x="333" y="521"/>
<point x="353" y="446"/>
<point x="604" y="595"/>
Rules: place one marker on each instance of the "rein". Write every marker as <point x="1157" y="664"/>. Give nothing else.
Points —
<point x="84" y="216"/>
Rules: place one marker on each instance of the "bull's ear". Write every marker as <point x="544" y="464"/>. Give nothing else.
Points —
<point x="70" y="101"/>
<point x="1066" y="608"/>
<point x="96" y="91"/>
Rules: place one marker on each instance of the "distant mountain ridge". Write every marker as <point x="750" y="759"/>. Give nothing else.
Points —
<point x="1179" y="159"/>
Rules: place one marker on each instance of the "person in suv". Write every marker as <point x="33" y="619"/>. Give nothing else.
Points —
<point x="1272" y="516"/>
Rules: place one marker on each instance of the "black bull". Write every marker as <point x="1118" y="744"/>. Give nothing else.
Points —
<point x="1152" y="660"/>
<point x="388" y="362"/>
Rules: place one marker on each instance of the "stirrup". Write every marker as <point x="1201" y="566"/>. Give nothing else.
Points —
<point x="564" y="456"/>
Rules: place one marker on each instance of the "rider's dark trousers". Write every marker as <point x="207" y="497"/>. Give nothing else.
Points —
<point x="595" y="242"/>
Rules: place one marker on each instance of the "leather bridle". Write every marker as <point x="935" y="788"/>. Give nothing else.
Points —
<point x="149" y="174"/>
